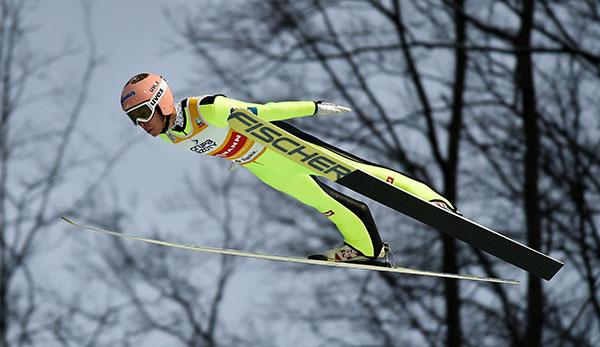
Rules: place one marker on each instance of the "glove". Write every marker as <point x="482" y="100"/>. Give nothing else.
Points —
<point x="325" y="108"/>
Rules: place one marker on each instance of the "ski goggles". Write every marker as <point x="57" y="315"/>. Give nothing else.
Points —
<point x="143" y="112"/>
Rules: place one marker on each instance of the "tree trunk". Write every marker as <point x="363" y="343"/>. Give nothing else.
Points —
<point x="525" y="81"/>
<point x="452" y="298"/>
<point x="4" y="314"/>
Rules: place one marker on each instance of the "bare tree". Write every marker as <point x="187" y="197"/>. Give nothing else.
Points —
<point x="36" y="158"/>
<point x="514" y="92"/>
<point x="174" y="295"/>
<point x="391" y="61"/>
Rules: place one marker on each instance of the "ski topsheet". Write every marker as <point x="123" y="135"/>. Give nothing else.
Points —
<point x="342" y="172"/>
<point x="226" y="251"/>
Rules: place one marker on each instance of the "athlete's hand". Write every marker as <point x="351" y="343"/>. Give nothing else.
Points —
<point x="325" y="109"/>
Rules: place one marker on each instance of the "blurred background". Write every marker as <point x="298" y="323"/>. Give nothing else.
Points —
<point x="494" y="103"/>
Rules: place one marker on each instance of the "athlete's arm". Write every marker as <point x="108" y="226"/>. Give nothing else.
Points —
<point x="217" y="108"/>
<point x="271" y="111"/>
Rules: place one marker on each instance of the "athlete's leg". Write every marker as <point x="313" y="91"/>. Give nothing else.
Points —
<point x="397" y="179"/>
<point x="352" y="217"/>
<point x="406" y="183"/>
<point x="393" y="177"/>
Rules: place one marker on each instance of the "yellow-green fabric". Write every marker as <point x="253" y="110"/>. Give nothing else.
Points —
<point x="216" y="113"/>
<point x="294" y="180"/>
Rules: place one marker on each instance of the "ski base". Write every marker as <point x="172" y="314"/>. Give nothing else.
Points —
<point x="373" y="267"/>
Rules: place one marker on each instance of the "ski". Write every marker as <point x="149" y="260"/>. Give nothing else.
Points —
<point x="374" y="267"/>
<point x="305" y="153"/>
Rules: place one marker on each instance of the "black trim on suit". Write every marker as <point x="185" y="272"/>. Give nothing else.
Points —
<point x="360" y="209"/>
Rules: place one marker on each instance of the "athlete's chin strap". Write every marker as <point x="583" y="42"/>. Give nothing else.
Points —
<point x="166" y="126"/>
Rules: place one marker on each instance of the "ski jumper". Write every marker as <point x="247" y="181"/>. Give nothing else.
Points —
<point x="201" y="127"/>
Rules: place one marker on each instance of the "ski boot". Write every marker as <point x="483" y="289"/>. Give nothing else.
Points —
<point x="445" y="206"/>
<point x="349" y="254"/>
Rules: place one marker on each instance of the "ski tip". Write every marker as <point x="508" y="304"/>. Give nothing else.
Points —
<point x="513" y="282"/>
<point x="66" y="219"/>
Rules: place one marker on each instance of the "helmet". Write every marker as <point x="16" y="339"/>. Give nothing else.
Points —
<point x="143" y="93"/>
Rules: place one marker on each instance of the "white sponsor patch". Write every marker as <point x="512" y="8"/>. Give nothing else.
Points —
<point x="203" y="147"/>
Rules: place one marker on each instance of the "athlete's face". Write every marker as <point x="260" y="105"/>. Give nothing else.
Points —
<point x="155" y="124"/>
